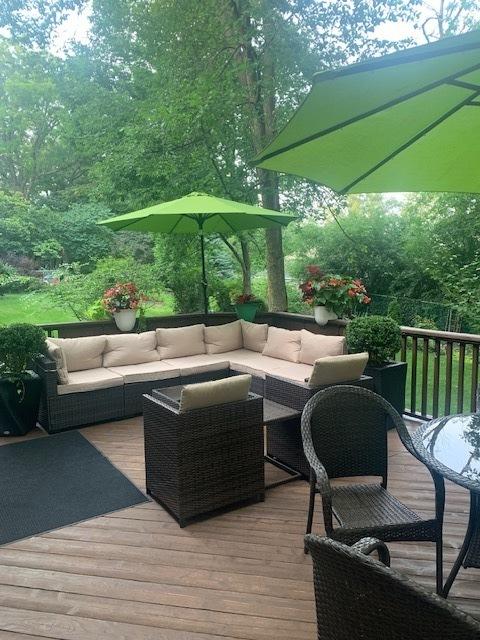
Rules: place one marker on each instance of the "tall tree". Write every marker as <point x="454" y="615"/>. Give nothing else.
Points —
<point x="216" y="81"/>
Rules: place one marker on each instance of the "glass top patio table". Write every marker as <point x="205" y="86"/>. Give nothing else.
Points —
<point x="450" y="447"/>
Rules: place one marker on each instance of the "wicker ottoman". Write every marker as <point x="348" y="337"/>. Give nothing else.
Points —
<point x="204" y="460"/>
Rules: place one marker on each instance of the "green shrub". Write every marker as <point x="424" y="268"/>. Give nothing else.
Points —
<point x="422" y="322"/>
<point x="18" y="284"/>
<point x="19" y="344"/>
<point x="379" y="335"/>
<point x="394" y="311"/>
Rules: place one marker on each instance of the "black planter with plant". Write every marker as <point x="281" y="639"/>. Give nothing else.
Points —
<point x="20" y="388"/>
<point x="381" y="337"/>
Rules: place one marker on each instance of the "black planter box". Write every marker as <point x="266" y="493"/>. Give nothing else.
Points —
<point x="19" y="402"/>
<point x="389" y="382"/>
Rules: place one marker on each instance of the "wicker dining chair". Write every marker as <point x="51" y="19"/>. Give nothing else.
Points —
<point x="344" y="433"/>
<point x="358" y="598"/>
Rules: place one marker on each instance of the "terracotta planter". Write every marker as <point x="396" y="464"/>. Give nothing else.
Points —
<point x="323" y="315"/>
<point x="125" y="319"/>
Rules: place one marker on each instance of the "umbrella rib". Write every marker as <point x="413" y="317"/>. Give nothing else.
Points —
<point x="366" y="114"/>
<point x="283" y="224"/>
<point x="409" y="143"/>
<point x="228" y="222"/>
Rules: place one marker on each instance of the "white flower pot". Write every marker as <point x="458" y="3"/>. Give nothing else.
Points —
<point x="125" y="319"/>
<point x="323" y="315"/>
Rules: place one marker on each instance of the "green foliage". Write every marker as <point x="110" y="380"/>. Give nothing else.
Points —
<point x="18" y="284"/>
<point x="19" y="344"/>
<point x="394" y="310"/>
<point x="379" y="335"/>
<point x="424" y="323"/>
<point x="80" y="292"/>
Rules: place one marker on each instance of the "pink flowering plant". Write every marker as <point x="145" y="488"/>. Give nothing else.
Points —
<point x="122" y="296"/>
<point x="337" y="293"/>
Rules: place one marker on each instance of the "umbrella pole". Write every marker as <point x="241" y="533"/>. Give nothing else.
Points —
<point x="204" y="275"/>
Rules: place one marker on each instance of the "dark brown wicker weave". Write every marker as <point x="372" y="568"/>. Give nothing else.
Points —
<point x="206" y="459"/>
<point x="60" y="412"/>
<point x="296" y="394"/>
<point x="344" y="435"/>
<point x="358" y="598"/>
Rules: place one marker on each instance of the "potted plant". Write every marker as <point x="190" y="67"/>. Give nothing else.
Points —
<point x="331" y="296"/>
<point x="123" y="301"/>
<point x="246" y="305"/>
<point x="381" y="337"/>
<point x="20" y="388"/>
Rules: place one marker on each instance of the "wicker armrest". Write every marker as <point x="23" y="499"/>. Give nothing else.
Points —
<point x="369" y="545"/>
<point x="47" y="370"/>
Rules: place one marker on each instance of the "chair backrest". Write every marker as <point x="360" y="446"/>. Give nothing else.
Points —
<point x="358" y="598"/>
<point x="345" y="427"/>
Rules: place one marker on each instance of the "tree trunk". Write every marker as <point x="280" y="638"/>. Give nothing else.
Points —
<point x="257" y="77"/>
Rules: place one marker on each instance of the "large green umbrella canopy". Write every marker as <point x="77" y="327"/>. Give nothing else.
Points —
<point x="199" y="213"/>
<point x="409" y="121"/>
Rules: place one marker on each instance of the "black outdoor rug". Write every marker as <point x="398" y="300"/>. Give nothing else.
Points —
<point x="55" y="481"/>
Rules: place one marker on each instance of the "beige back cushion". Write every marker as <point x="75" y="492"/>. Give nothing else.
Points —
<point x="57" y="354"/>
<point x="130" y="348"/>
<point x="314" y="346"/>
<point x="254" y="335"/>
<point x="181" y="341"/>
<point x="224" y="337"/>
<point x="82" y="353"/>
<point x="207" y="394"/>
<point x="283" y="344"/>
<point x="334" y="369"/>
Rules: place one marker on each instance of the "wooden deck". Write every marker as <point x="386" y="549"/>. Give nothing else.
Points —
<point x="134" y="575"/>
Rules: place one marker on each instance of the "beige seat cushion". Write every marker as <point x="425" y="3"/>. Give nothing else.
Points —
<point x="256" y="364"/>
<point x="90" y="380"/>
<point x="254" y="335"/>
<point x="215" y="392"/>
<point x="57" y="354"/>
<point x="202" y="363"/>
<point x="146" y="371"/>
<point x="282" y="344"/>
<point x="334" y="369"/>
<point x="130" y="348"/>
<point x="315" y="346"/>
<point x="82" y="353"/>
<point x="223" y="337"/>
<point x="180" y="341"/>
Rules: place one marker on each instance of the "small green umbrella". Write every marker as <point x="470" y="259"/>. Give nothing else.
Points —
<point x="199" y="213"/>
<point x="409" y="121"/>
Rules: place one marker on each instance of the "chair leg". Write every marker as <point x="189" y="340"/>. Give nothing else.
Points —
<point x="439" y="514"/>
<point x="311" y="507"/>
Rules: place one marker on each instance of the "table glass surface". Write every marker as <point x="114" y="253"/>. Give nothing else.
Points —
<point x="453" y="441"/>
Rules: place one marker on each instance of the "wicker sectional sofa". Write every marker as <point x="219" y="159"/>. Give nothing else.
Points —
<point x="100" y="378"/>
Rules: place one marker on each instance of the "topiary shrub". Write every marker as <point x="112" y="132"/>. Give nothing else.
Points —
<point x="19" y="345"/>
<point x="379" y="335"/>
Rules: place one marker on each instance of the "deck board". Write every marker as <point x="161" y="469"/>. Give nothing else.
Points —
<point x="241" y="575"/>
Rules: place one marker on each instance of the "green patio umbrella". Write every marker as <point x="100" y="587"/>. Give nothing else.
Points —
<point x="409" y="121"/>
<point x="199" y="213"/>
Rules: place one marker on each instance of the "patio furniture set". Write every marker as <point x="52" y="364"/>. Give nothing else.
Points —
<point x="218" y="401"/>
<point x="98" y="378"/>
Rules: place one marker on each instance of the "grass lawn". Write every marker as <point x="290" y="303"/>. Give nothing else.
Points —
<point x="37" y="308"/>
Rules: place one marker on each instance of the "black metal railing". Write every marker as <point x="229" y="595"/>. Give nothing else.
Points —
<point x="442" y="373"/>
